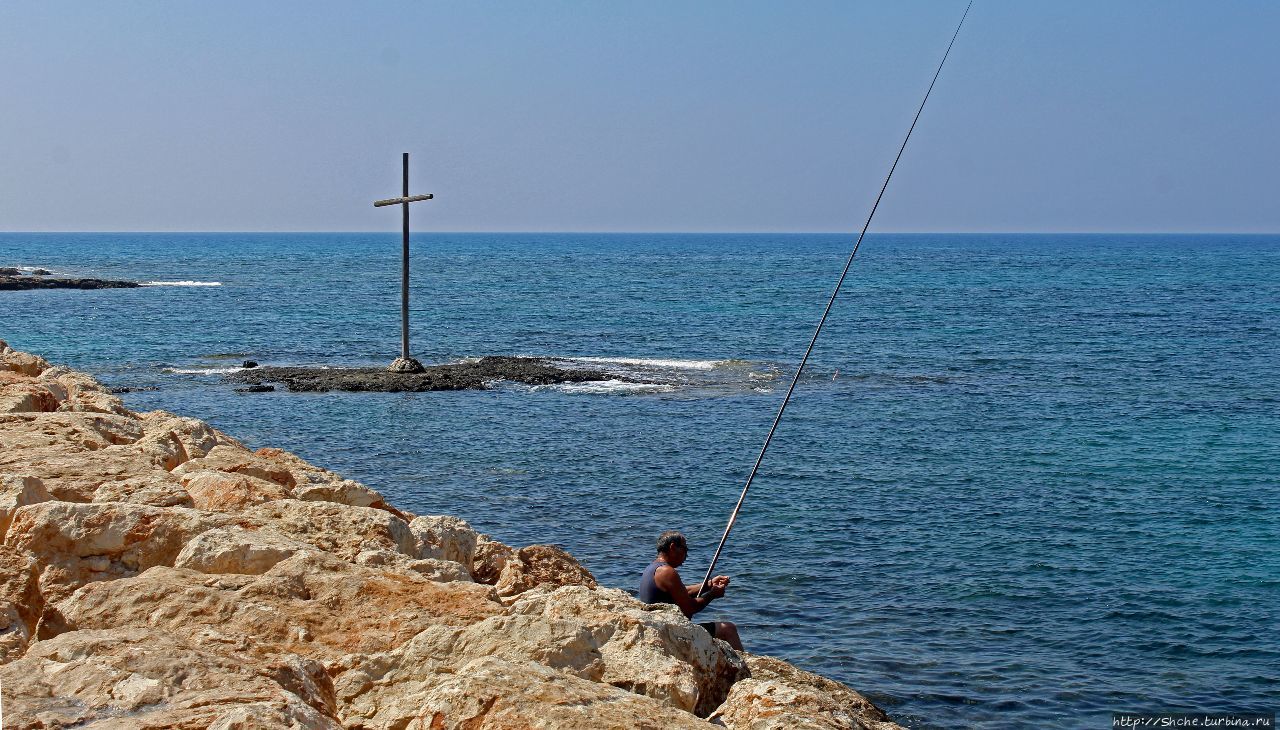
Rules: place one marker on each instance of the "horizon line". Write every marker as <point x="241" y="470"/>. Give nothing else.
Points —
<point x="671" y="232"/>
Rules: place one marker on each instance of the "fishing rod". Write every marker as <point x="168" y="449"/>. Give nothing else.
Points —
<point x="706" y="581"/>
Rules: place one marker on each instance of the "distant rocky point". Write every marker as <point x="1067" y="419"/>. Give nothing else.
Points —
<point x="157" y="573"/>
<point x="12" y="279"/>
<point x="458" y="376"/>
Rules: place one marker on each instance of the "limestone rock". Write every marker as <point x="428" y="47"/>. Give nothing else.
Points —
<point x="83" y="393"/>
<point x="18" y="491"/>
<point x="338" y="529"/>
<point x="72" y="453"/>
<point x="238" y="460"/>
<point x="313" y="484"/>
<point x="117" y="678"/>
<point x="220" y="491"/>
<point x="441" y="571"/>
<point x="10" y="378"/>
<point x="342" y="491"/>
<point x="195" y="437"/>
<point x="69" y="431"/>
<point x="163" y="449"/>
<point x="20" y="602"/>
<point x="537" y="565"/>
<point x="21" y="362"/>
<point x="27" y="397"/>
<point x="381" y="689"/>
<point x="491" y="693"/>
<point x="237" y="550"/>
<point x="158" y="488"/>
<point x="778" y="696"/>
<point x="658" y="653"/>
<point x="227" y="440"/>
<point x="310" y="604"/>
<point x="382" y="558"/>
<point x="490" y="558"/>
<point x="445" y="538"/>
<point x="75" y="477"/>
<point x="170" y="440"/>
<point x="78" y="543"/>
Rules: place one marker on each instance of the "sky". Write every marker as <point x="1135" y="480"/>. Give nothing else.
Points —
<point x="644" y="116"/>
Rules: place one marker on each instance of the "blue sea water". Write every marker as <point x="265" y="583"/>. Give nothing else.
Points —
<point x="1026" y="481"/>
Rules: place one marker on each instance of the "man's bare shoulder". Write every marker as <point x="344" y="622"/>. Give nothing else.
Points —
<point x="665" y="573"/>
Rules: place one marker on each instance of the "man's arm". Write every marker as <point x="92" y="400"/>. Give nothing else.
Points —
<point x="718" y="584"/>
<point x="668" y="580"/>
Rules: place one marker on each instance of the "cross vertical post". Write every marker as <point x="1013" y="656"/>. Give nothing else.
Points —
<point x="404" y="363"/>
<point x="404" y="268"/>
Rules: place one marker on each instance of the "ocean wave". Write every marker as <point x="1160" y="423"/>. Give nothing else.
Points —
<point x="181" y="283"/>
<point x="202" y="371"/>
<point x="649" y="362"/>
<point x="608" y="387"/>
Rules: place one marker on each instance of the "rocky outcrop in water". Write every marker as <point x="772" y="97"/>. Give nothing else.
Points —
<point x="155" y="572"/>
<point x="17" y="281"/>
<point x="458" y="376"/>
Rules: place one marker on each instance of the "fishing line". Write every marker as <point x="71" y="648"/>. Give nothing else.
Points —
<point x="796" y="378"/>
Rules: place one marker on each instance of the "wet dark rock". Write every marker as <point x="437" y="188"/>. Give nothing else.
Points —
<point x="10" y="271"/>
<point x="15" y="283"/>
<point x="249" y="364"/>
<point x="462" y="376"/>
<point x="132" y="389"/>
<point x="256" y="389"/>
<point x="41" y="272"/>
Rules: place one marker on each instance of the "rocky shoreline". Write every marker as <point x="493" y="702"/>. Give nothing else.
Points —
<point x="158" y="573"/>
<point x="459" y="376"/>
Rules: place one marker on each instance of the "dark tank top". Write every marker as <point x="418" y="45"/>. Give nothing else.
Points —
<point x="649" y="591"/>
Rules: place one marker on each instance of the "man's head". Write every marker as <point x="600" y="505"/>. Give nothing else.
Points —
<point x="673" y="548"/>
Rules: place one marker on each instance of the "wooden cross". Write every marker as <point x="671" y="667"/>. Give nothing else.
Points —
<point x="404" y="363"/>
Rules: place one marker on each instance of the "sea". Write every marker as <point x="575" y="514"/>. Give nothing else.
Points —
<point x="1024" y="480"/>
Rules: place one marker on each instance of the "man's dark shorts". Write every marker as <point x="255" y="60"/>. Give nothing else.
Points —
<point x="710" y="627"/>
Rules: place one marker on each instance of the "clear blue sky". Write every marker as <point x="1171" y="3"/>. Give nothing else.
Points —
<point x="643" y="116"/>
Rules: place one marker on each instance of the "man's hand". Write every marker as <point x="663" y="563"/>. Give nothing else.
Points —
<point x="718" y="584"/>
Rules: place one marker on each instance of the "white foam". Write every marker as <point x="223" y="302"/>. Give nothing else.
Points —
<point x="202" y="371"/>
<point x="610" y="387"/>
<point x="182" y="283"/>
<point x="651" y="363"/>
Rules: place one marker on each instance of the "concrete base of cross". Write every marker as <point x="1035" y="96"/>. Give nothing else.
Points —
<point x="405" y="365"/>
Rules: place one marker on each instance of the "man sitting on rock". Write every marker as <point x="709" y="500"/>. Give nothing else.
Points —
<point x="661" y="584"/>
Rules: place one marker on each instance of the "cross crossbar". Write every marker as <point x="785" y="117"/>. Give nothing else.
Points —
<point x="398" y="201"/>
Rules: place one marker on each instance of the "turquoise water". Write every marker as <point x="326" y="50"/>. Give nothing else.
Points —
<point x="1027" y="480"/>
